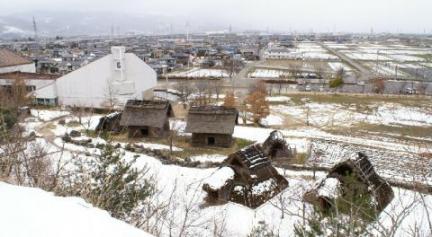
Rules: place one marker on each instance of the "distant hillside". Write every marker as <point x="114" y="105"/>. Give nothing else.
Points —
<point x="95" y="23"/>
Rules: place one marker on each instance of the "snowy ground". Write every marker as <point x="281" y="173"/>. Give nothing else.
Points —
<point x="267" y="73"/>
<point x="47" y="115"/>
<point x="280" y="213"/>
<point x="324" y="114"/>
<point x="34" y="212"/>
<point x="182" y="186"/>
<point x="200" y="73"/>
<point x="336" y="66"/>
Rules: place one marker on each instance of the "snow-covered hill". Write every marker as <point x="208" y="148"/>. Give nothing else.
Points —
<point x="34" y="212"/>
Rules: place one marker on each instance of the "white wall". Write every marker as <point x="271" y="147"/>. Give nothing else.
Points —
<point x="45" y="89"/>
<point x="91" y="85"/>
<point x="22" y="68"/>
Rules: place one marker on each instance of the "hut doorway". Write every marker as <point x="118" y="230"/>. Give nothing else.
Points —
<point x="144" y="132"/>
<point x="211" y="141"/>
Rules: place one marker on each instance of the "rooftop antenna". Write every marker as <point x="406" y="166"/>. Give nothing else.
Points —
<point x="35" y="29"/>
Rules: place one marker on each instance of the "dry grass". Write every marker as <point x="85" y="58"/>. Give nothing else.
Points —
<point x="182" y="142"/>
<point x="361" y="99"/>
<point x="300" y="158"/>
<point x="188" y="150"/>
<point x="406" y="133"/>
<point x="46" y="130"/>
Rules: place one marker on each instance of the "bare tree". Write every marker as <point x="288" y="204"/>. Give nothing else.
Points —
<point x="185" y="88"/>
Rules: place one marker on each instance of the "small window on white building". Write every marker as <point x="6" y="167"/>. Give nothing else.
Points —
<point x="118" y="65"/>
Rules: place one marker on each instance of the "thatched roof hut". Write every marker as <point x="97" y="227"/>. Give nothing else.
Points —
<point x="254" y="182"/>
<point x="355" y="177"/>
<point x="110" y="123"/>
<point x="211" y="125"/>
<point x="146" y="118"/>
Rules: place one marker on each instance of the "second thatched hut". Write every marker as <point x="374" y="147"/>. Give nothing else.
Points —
<point x="211" y="125"/>
<point x="146" y="118"/>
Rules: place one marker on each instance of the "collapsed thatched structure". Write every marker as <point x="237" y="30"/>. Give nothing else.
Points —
<point x="146" y="118"/>
<point x="110" y="123"/>
<point x="353" y="179"/>
<point x="246" y="177"/>
<point x="211" y="125"/>
<point x="277" y="147"/>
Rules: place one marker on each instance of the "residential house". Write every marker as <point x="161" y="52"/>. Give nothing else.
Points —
<point x="40" y="86"/>
<point x="12" y="62"/>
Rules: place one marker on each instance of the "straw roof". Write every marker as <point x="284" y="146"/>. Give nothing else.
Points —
<point x="211" y="119"/>
<point x="146" y="113"/>
<point x="363" y="169"/>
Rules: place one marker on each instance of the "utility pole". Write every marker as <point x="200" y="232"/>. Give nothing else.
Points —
<point x="187" y="31"/>
<point x="164" y="71"/>
<point x="396" y="72"/>
<point x="377" y="62"/>
<point x="35" y="29"/>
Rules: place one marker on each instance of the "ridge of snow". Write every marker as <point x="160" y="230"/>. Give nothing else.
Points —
<point x="33" y="212"/>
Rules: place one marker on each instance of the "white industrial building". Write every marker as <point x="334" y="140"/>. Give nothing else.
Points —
<point x="107" y="82"/>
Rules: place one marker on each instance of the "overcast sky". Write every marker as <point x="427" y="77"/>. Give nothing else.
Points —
<point x="275" y="15"/>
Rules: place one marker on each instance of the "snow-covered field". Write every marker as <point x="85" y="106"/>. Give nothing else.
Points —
<point x="366" y="56"/>
<point x="405" y="58"/>
<point x="373" y="52"/>
<point x="278" y="99"/>
<point x="321" y="114"/>
<point x="318" y="55"/>
<point x="267" y="73"/>
<point x="272" y="120"/>
<point x="200" y="73"/>
<point x="309" y="51"/>
<point x="335" y="66"/>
